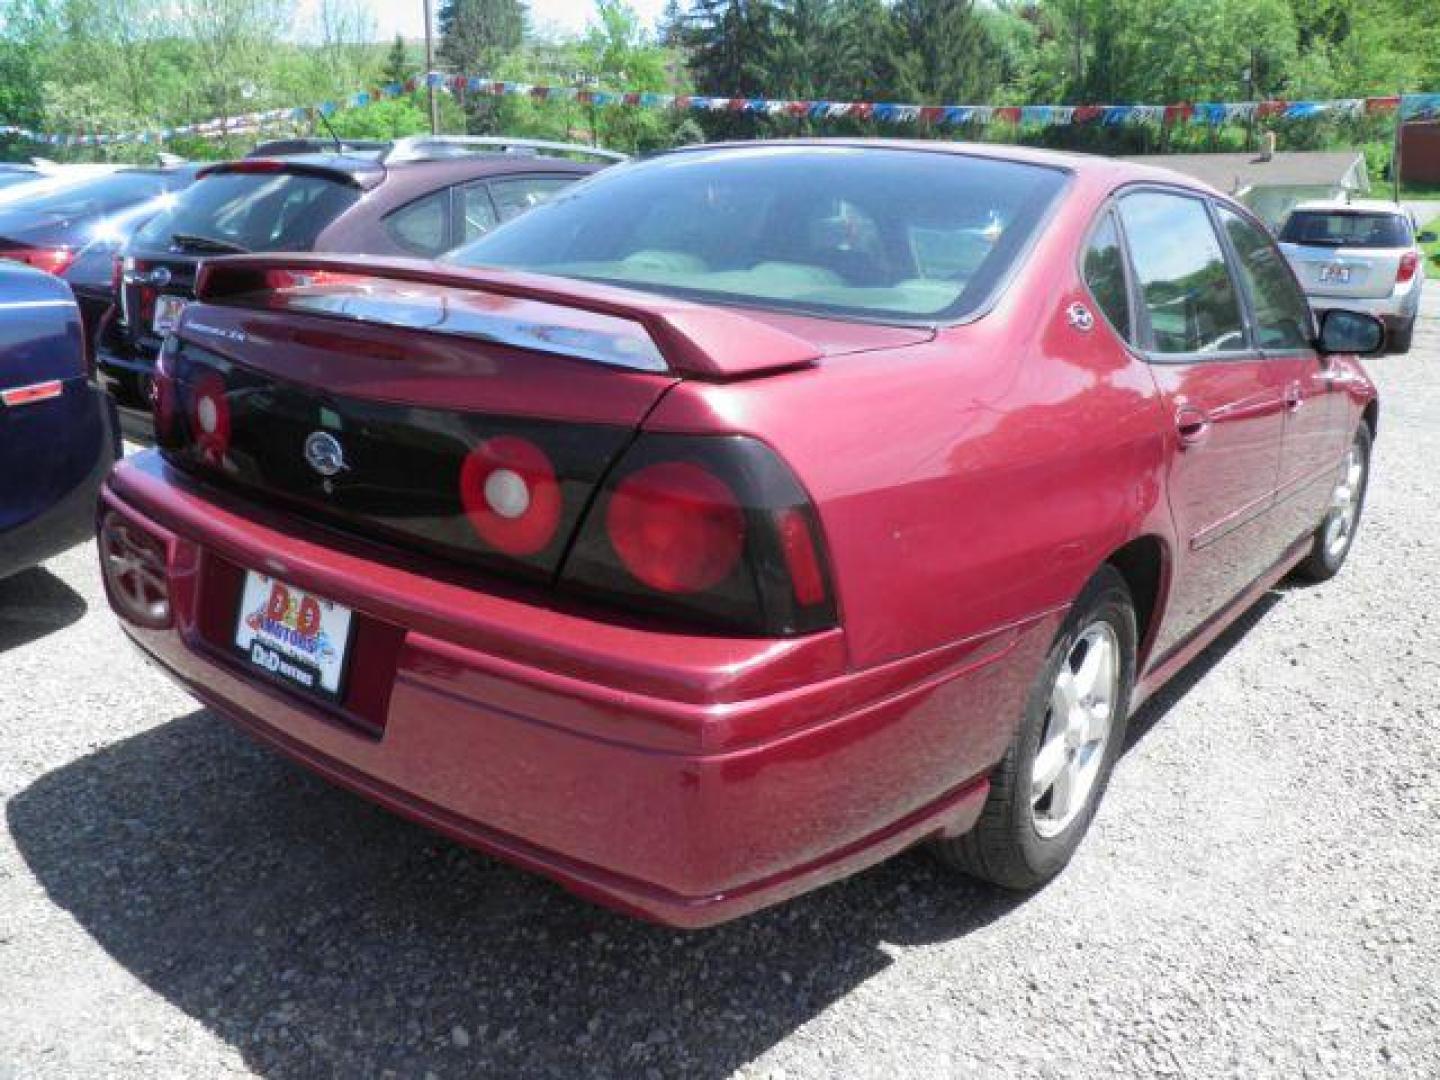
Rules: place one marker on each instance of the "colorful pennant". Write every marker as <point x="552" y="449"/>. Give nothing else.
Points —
<point x="1410" y="107"/>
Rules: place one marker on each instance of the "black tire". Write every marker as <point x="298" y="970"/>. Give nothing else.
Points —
<point x="1326" y="558"/>
<point x="1006" y="846"/>
<point x="1400" y="338"/>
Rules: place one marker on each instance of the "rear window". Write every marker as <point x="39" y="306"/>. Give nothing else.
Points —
<point x="1346" y="228"/>
<point x="99" y="195"/>
<point x="256" y="211"/>
<point x="893" y="235"/>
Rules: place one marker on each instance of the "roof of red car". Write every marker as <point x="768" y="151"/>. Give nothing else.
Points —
<point x="1093" y="165"/>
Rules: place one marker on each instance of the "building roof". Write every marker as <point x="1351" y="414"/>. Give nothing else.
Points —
<point x="1236" y="173"/>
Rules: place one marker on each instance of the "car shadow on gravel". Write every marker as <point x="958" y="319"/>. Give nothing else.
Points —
<point x="34" y="604"/>
<point x="321" y="936"/>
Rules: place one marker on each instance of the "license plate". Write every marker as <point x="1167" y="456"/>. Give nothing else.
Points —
<point x="1334" y="274"/>
<point x="167" y="313"/>
<point x="293" y="635"/>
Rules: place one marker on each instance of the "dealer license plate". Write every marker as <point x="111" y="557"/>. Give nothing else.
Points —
<point x="167" y="313"/>
<point x="1334" y="274"/>
<point x="293" y="635"/>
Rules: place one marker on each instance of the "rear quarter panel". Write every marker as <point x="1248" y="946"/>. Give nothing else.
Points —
<point x="973" y="482"/>
<point x="49" y="448"/>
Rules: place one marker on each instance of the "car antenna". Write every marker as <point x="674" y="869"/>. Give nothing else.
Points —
<point x="339" y="146"/>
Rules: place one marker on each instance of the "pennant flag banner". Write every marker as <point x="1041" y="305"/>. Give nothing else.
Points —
<point x="1420" y="107"/>
<point x="1410" y="107"/>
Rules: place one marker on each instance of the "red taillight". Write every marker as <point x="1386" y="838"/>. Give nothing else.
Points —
<point x="117" y="274"/>
<point x="52" y="260"/>
<point x="712" y="529"/>
<point x="133" y="562"/>
<point x="1409" y="264"/>
<point x="148" y="296"/>
<point x="251" y="165"/>
<point x="802" y="560"/>
<point x="510" y="494"/>
<point x="676" y="526"/>
<point x="209" y="416"/>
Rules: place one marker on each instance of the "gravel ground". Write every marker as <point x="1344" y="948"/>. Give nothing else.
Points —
<point x="1257" y="898"/>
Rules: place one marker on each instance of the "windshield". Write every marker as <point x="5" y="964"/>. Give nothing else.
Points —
<point x="253" y="211"/>
<point x="888" y="234"/>
<point x="1346" y="228"/>
<point x="99" y="195"/>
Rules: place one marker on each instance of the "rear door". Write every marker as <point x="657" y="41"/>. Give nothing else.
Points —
<point x="1224" y="397"/>
<point x="1315" y="417"/>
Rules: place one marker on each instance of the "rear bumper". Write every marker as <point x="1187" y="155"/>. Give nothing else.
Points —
<point x="685" y="780"/>
<point x="1394" y="310"/>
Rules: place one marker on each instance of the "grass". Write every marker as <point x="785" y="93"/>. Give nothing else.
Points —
<point x="1410" y="191"/>
<point x="1432" y="249"/>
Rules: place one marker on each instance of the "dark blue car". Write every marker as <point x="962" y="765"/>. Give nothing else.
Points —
<point x="58" y="435"/>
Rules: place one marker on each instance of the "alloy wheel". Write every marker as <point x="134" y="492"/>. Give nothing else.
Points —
<point x="1345" y="503"/>
<point x="1078" y="724"/>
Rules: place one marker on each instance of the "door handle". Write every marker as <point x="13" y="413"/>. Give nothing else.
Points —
<point x="1293" y="398"/>
<point x="1192" y="425"/>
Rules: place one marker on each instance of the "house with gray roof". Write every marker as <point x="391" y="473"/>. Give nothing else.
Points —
<point x="1271" y="183"/>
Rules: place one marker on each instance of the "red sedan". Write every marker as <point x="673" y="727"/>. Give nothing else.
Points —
<point x="747" y="514"/>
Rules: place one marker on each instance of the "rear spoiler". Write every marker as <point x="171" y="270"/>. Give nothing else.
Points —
<point x="694" y="340"/>
<point x="363" y="173"/>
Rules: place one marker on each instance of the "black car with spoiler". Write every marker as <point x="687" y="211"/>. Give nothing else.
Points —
<point x="415" y="197"/>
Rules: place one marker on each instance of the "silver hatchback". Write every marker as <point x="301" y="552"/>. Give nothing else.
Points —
<point x="1360" y="256"/>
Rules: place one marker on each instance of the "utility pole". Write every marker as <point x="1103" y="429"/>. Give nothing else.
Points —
<point x="1395" y="152"/>
<point x="429" y="67"/>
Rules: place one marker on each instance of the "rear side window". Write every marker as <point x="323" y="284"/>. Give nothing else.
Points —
<point x="257" y="211"/>
<point x="1282" y="314"/>
<point x="1346" y="228"/>
<point x="1105" y="274"/>
<point x="514" y="197"/>
<point x="1189" y="298"/>
<point x="477" y="211"/>
<point x="423" y="226"/>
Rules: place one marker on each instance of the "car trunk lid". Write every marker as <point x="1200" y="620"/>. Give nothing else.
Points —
<point x="382" y="397"/>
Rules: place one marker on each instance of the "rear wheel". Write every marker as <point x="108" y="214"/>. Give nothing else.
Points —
<point x="1044" y="792"/>
<point x="1336" y="534"/>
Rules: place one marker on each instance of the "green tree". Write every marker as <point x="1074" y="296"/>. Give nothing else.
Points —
<point x="476" y="34"/>
<point x="397" y="62"/>
<point x="947" y="54"/>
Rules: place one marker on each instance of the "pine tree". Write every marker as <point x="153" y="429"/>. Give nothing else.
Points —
<point x="475" y="34"/>
<point x="397" y="62"/>
<point x="730" y="43"/>
<point x="670" y="30"/>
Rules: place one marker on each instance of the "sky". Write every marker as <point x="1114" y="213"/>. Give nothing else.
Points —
<point x="407" y="16"/>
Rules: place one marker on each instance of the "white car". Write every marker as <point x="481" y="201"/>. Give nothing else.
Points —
<point x="1361" y="255"/>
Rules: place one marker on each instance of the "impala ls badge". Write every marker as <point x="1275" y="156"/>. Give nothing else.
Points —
<point x="324" y="454"/>
<point x="1081" y="318"/>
